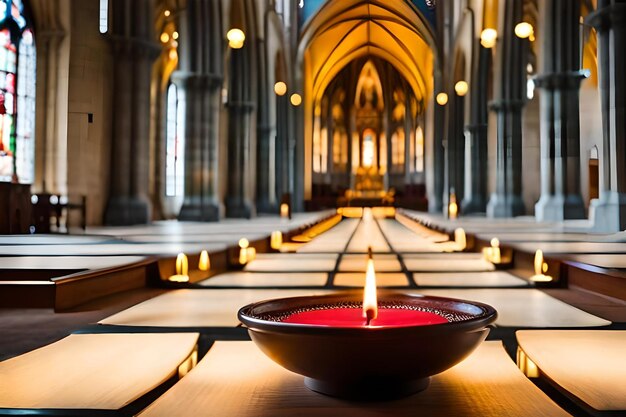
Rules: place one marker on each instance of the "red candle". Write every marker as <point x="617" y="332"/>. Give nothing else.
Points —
<point x="353" y="318"/>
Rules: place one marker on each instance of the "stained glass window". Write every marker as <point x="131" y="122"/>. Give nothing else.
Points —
<point x="174" y="144"/>
<point x="17" y="94"/>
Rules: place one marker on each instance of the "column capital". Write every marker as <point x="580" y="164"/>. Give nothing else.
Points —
<point x="607" y="17"/>
<point x="569" y="80"/>
<point x="188" y="79"/>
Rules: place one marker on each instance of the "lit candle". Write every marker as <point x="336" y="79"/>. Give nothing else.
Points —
<point x="204" y="264"/>
<point x="370" y="300"/>
<point x="243" y="251"/>
<point x="453" y="208"/>
<point x="182" y="269"/>
<point x="284" y="211"/>
<point x="276" y="240"/>
<point x="251" y="254"/>
<point x="540" y="269"/>
<point x="495" y="251"/>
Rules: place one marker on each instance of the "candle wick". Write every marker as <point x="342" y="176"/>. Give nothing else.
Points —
<point x="370" y="254"/>
<point x="370" y="315"/>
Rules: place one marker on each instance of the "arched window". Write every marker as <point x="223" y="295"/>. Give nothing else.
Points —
<point x="419" y="149"/>
<point x="397" y="151"/>
<point x="175" y="143"/>
<point x="17" y="94"/>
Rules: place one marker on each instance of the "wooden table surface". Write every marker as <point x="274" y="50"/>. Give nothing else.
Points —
<point x="267" y="279"/>
<point x="357" y="279"/>
<point x="522" y="307"/>
<point x="358" y="263"/>
<point x="422" y="264"/>
<point x="197" y="308"/>
<point x="95" y="371"/>
<point x="236" y="379"/>
<point x="334" y="240"/>
<point x="293" y="262"/>
<point x="468" y="279"/>
<point x="66" y="262"/>
<point x="588" y="364"/>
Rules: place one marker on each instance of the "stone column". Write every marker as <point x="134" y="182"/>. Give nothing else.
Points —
<point x="240" y="113"/>
<point x="201" y="96"/>
<point x="199" y="79"/>
<point x="134" y="52"/>
<point x="609" y="211"/>
<point x="266" y="142"/>
<point x="560" y="120"/>
<point x="510" y="90"/>
<point x="475" y="198"/>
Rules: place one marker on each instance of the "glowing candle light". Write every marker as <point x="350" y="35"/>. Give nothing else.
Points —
<point x="284" y="211"/>
<point x="453" y="208"/>
<point x="370" y="299"/>
<point x="182" y="269"/>
<point x="251" y="254"/>
<point x="276" y="240"/>
<point x="243" y="251"/>
<point x="204" y="264"/>
<point x="495" y="251"/>
<point x="540" y="269"/>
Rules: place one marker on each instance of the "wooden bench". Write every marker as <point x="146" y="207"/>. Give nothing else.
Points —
<point x="493" y="279"/>
<point x="236" y="379"/>
<point x="265" y="279"/>
<point x="90" y="373"/>
<point x="358" y="263"/>
<point x="196" y="309"/>
<point x="524" y="307"/>
<point x="589" y="366"/>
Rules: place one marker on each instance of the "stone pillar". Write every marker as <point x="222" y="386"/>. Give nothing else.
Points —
<point x="510" y="91"/>
<point x="134" y="52"/>
<point x="560" y="120"/>
<point x="266" y="142"/>
<point x="199" y="79"/>
<point x="475" y="198"/>
<point x="202" y="97"/>
<point x="608" y="213"/>
<point x="240" y="113"/>
<point x="436" y="201"/>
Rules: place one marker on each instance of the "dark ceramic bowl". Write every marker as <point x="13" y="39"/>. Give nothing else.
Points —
<point x="368" y="363"/>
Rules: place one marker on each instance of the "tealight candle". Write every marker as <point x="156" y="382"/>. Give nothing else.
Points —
<point x="540" y="269"/>
<point x="276" y="240"/>
<point x="182" y="269"/>
<point x="284" y="211"/>
<point x="204" y="264"/>
<point x="492" y="254"/>
<point x="453" y="208"/>
<point x="460" y="239"/>
<point x="243" y="251"/>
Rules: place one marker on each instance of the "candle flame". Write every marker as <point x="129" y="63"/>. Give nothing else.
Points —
<point x="182" y="264"/>
<point x="204" y="264"/>
<point x="539" y="262"/>
<point x="276" y="240"/>
<point x="370" y="300"/>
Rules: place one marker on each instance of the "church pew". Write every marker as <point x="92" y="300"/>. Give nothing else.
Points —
<point x="236" y="379"/>
<point x="95" y="374"/>
<point x="588" y="366"/>
<point x="270" y="280"/>
<point x="358" y="263"/>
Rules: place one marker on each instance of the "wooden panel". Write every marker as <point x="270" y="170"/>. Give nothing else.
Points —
<point x="367" y="235"/>
<point x="236" y="379"/>
<point x="197" y="308"/>
<point x="357" y="279"/>
<point x="447" y="265"/>
<point x="588" y="364"/>
<point x="293" y="262"/>
<point x="525" y="307"/>
<point x="99" y="371"/>
<point x="468" y="279"/>
<point x="334" y="240"/>
<point x="358" y="263"/>
<point x="260" y="279"/>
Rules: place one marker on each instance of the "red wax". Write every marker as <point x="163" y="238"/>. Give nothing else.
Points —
<point x="353" y="317"/>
